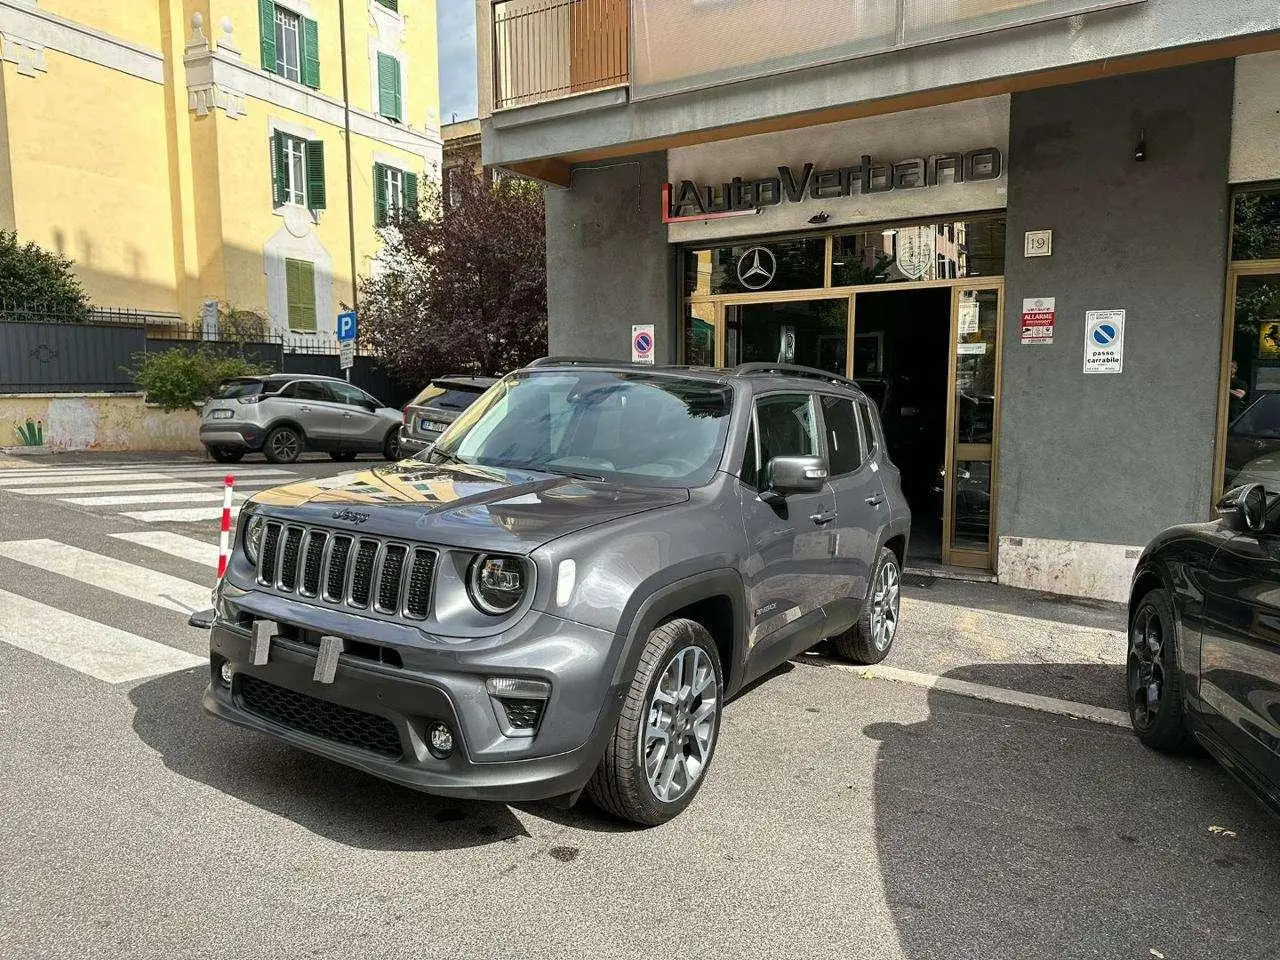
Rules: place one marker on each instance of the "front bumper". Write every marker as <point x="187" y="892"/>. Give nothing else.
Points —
<point x="237" y="436"/>
<point x="393" y="705"/>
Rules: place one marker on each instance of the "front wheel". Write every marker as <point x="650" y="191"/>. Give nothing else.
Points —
<point x="868" y="641"/>
<point x="1154" y="681"/>
<point x="662" y="745"/>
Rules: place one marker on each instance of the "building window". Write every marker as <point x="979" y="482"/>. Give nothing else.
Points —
<point x="300" y="291"/>
<point x="290" y="44"/>
<point x="394" y="191"/>
<point x="390" y="98"/>
<point x="297" y="171"/>
<point x="391" y="4"/>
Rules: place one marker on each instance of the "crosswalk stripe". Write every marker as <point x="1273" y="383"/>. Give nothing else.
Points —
<point x="25" y="479"/>
<point x="87" y="646"/>
<point x="175" y="469"/>
<point x="107" y="573"/>
<point x="124" y="499"/>
<point x="180" y="515"/>
<point x="174" y="544"/>
<point x="131" y="487"/>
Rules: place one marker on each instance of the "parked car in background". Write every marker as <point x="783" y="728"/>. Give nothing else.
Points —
<point x="1253" y="442"/>
<point x="285" y="414"/>
<point x="430" y="412"/>
<point x="563" y="592"/>
<point x="1204" y="640"/>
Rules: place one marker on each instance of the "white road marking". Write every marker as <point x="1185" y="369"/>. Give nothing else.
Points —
<point x="982" y="691"/>
<point x="128" y="487"/>
<point x="174" y="544"/>
<point x="90" y="647"/>
<point x="181" y="514"/>
<point x="135" y="498"/>
<point x="108" y="573"/>
<point x="101" y="476"/>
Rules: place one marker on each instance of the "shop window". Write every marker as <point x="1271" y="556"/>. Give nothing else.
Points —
<point x="932" y="251"/>
<point x="756" y="267"/>
<point x="700" y="335"/>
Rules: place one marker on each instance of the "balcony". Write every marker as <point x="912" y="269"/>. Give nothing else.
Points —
<point x="551" y="49"/>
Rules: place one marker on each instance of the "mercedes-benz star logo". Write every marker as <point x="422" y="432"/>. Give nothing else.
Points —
<point x="756" y="268"/>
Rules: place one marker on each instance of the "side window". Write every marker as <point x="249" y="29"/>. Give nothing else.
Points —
<point x="303" y="390"/>
<point x="749" y="471"/>
<point x="844" y="448"/>
<point x="868" y="427"/>
<point x="788" y="427"/>
<point x="353" y="396"/>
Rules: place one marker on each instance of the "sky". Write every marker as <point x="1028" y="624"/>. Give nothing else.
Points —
<point x="457" y="28"/>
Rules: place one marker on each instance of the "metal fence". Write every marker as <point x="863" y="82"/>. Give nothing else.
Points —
<point x="548" y="49"/>
<point x="43" y="351"/>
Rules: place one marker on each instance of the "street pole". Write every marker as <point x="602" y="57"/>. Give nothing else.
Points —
<point x="346" y="124"/>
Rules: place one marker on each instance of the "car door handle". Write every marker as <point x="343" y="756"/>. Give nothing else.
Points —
<point x="825" y="516"/>
<point x="874" y="501"/>
<point x="306" y="409"/>
<point x="346" y="416"/>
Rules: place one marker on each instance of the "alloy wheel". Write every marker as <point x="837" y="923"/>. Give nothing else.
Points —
<point x="680" y="729"/>
<point x="285" y="445"/>
<point x="1145" y="668"/>
<point x="884" y="606"/>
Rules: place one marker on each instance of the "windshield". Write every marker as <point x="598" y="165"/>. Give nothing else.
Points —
<point x="447" y="396"/>
<point x="638" y="428"/>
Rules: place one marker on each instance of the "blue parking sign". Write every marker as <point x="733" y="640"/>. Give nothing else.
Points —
<point x="347" y="326"/>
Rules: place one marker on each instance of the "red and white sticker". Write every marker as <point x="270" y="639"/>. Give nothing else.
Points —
<point x="1038" y="316"/>
<point x="642" y="343"/>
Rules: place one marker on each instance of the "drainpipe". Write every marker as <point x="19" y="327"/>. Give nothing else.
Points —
<point x="346" y="125"/>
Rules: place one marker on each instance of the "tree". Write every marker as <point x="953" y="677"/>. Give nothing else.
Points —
<point x="34" y="280"/>
<point x="461" y="287"/>
<point x="180" y="378"/>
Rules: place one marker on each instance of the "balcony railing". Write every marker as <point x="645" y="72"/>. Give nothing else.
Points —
<point x="550" y="49"/>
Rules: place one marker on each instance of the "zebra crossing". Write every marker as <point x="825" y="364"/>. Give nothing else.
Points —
<point x="113" y="604"/>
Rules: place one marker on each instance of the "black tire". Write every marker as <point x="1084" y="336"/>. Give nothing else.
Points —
<point x="283" y="445"/>
<point x="391" y="445"/>
<point x="225" y="454"/>
<point x="863" y="642"/>
<point x="1153" y="658"/>
<point x="620" y="785"/>
<point x="343" y="457"/>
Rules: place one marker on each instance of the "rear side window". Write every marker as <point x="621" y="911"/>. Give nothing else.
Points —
<point x="868" y="427"/>
<point x="844" y="449"/>
<point x="240" y="388"/>
<point x="302" y="390"/>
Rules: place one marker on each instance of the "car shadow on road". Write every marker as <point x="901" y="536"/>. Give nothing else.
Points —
<point x="1008" y="833"/>
<point x="331" y="800"/>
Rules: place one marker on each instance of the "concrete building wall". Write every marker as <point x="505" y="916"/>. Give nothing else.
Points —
<point x="1091" y="466"/>
<point x="608" y="264"/>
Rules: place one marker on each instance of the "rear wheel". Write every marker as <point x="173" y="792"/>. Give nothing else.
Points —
<point x="869" y="640"/>
<point x="342" y="457"/>
<point x="225" y="454"/>
<point x="283" y="445"/>
<point x="662" y="745"/>
<point x="1154" y="681"/>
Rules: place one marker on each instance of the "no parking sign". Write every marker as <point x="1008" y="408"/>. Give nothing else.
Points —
<point x="1103" y="341"/>
<point x="642" y="343"/>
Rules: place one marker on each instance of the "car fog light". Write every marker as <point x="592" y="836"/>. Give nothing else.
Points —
<point x="228" y="672"/>
<point x="518" y="687"/>
<point x="439" y="740"/>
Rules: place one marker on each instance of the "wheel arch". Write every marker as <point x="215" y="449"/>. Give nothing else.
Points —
<point x="1145" y="580"/>
<point x="284" y="422"/>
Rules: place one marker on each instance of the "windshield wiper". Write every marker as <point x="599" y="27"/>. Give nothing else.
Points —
<point x="449" y="457"/>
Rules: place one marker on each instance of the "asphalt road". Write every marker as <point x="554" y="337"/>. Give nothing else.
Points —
<point x="842" y="816"/>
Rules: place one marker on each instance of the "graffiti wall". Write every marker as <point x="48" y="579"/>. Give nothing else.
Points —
<point x="94" y="421"/>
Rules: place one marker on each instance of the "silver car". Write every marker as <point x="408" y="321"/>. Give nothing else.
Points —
<point x="284" y="414"/>
<point x="428" y="414"/>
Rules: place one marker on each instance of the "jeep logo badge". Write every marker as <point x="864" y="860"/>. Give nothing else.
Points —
<point x="352" y="516"/>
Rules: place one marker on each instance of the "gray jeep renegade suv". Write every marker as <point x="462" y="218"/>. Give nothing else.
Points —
<point x="562" y="594"/>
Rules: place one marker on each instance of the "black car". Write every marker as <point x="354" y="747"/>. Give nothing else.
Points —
<point x="1204" y="640"/>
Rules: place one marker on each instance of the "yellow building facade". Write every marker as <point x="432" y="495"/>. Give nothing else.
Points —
<point x="191" y="153"/>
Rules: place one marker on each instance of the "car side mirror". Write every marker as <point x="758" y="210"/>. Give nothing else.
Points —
<point x="785" y="475"/>
<point x="1245" y="506"/>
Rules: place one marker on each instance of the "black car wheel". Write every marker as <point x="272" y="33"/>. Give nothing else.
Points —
<point x="391" y="445"/>
<point x="343" y="457"/>
<point x="225" y="454"/>
<point x="1154" y="681"/>
<point x="283" y="445"/>
<point x="665" y="737"/>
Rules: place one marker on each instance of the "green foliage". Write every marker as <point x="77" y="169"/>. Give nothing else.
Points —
<point x="241" y="326"/>
<point x="31" y="433"/>
<point x="181" y="378"/>
<point x="32" y="277"/>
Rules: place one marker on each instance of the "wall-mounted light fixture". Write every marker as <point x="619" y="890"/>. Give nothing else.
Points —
<point x="1140" y="151"/>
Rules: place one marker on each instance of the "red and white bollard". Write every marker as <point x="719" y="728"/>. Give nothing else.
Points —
<point x="224" y="540"/>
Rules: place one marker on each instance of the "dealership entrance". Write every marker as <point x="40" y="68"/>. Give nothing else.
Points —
<point x="918" y="328"/>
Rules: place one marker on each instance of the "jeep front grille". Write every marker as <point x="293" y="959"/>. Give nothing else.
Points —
<point x="352" y="571"/>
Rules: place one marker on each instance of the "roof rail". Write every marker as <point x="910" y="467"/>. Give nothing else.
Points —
<point x="790" y="370"/>
<point x="572" y="361"/>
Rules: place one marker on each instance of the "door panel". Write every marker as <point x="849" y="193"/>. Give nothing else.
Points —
<point x="362" y="429"/>
<point x="788" y="570"/>
<point x="317" y="410"/>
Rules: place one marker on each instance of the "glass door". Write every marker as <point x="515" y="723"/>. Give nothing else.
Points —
<point x="1250" y="448"/>
<point x="809" y="332"/>
<point x="968" y="531"/>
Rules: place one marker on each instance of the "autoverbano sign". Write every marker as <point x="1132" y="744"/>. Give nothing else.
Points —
<point x="689" y="200"/>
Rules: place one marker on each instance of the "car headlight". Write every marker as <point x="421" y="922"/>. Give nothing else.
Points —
<point x="253" y="538"/>
<point x="496" y="583"/>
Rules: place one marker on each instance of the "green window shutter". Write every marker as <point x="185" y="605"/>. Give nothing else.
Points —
<point x="410" y="194"/>
<point x="267" y="26"/>
<point x="379" y="195"/>
<point x="310" y="53"/>
<point x="315" y="175"/>
<point x="388" y="86"/>
<point x="280" y="180"/>
<point x="390" y="4"/>
<point x="399" y="114"/>
<point x="300" y="292"/>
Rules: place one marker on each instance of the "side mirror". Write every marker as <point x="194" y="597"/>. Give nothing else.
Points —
<point x="1246" y="506"/>
<point x="785" y="475"/>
